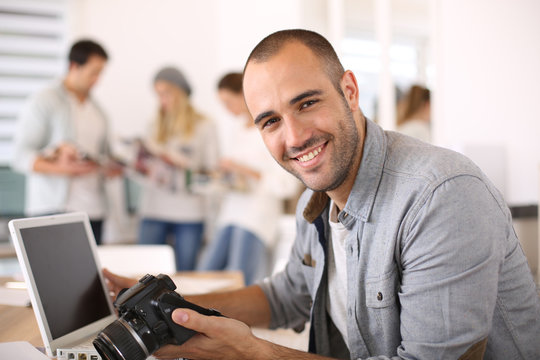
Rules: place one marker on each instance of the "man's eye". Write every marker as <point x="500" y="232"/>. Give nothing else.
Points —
<point x="308" y="104"/>
<point x="270" y="122"/>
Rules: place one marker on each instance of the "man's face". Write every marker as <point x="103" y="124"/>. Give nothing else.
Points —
<point x="85" y="76"/>
<point x="306" y="124"/>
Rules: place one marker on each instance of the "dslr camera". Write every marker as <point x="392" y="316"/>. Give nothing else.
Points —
<point x="144" y="324"/>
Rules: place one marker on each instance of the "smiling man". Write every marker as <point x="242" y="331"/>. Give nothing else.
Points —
<point x="307" y="117"/>
<point x="403" y="250"/>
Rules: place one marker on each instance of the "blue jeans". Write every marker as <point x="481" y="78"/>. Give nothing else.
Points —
<point x="187" y="239"/>
<point x="235" y="248"/>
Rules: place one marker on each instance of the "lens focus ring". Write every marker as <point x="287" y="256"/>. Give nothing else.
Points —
<point x="116" y="342"/>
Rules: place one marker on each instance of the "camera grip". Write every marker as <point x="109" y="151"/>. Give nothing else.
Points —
<point x="170" y="301"/>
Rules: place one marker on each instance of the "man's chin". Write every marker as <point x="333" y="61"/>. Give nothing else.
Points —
<point x="318" y="185"/>
<point x="313" y="181"/>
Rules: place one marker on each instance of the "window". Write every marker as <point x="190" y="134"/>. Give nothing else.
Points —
<point x="361" y="55"/>
<point x="32" y="53"/>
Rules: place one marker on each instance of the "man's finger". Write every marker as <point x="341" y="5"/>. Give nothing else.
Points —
<point x="192" y="320"/>
<point x="117" y="278"/>
<point x="111" y="278"/>
<point x="117" y="282"/>
<point x="109" y="274"/>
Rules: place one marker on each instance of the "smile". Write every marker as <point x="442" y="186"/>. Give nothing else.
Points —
<point x="310" y="155"/>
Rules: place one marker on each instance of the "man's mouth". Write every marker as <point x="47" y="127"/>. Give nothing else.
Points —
<point x="310" y="155"/>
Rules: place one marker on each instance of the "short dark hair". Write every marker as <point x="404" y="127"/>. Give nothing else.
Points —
<point x="232" y="82"/>
<point x="81" y="51"/>
<point x="270" y="46"/>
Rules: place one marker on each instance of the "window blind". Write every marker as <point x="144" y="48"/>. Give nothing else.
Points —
<point x="32" y="54"/>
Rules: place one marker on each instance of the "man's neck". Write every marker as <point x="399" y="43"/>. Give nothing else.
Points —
<point x="340" y="195"/>
<point x="80" y="95"/>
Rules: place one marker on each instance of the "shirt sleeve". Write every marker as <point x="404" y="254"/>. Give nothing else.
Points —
<point x="31" y="133"/>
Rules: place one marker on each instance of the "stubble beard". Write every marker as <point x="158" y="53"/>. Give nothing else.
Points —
<point x="343" y="158"/>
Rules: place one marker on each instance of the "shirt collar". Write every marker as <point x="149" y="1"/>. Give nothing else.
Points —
<point x="362" y="196"/>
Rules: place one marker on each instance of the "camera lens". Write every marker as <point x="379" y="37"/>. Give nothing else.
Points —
<point x="119" y="342"/>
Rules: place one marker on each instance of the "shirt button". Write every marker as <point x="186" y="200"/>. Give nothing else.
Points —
<point x="379" y="296"/>
<point x="345" y="215"/>
<point x="351" y="250"/>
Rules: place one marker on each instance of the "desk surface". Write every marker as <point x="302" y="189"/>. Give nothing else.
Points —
<point x="19" y="323"/>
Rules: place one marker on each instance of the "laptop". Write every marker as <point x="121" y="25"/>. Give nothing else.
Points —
<point x="57" y="255"/>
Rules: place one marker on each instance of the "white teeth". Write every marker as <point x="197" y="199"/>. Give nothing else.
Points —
<point x="311" y="155"/>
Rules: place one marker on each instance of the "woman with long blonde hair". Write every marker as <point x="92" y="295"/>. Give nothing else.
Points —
<point x="181" y="144"/>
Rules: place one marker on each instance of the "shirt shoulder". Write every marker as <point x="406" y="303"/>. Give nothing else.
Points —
<point x="50" y="97"/>
<point x="410" y="157"/>
<point x="419" y="168"/>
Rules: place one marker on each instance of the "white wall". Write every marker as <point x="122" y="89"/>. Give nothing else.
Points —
<point x="488" y="84"/>
<point x="203" y="38"/>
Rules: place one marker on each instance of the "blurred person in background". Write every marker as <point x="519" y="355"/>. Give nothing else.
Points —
<point x="250" y="211"/>
<point x="414" y="113"/>
<point x="181" y="144"/>
<point x="62" y="142"/>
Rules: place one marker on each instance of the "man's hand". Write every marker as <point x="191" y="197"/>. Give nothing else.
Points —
<point x="69" y="161"/>
<point x="65" y="161"/>
<point x="218" y="338"/>
<point x="225" y="338"/>
<point x="115" y="283"/>
<point x="113" y="169"/>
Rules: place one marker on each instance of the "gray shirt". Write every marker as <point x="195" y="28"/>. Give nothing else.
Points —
<point x="44" y="123"/>
<point x="434" y="265"/>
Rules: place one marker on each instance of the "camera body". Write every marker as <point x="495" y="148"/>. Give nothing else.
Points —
<point x="145" y="324"/>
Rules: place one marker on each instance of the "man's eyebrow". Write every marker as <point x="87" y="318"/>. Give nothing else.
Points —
<point x="293" y="101"/>
<point x="304" y="95"/>
<point x="262" y="116"/>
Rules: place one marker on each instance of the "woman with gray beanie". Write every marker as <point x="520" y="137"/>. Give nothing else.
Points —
<point x="181" y="143"/>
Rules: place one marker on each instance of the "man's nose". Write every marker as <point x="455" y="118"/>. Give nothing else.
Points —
<point x="296" y="132"/>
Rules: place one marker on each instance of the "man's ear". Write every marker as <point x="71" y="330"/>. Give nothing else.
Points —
<point x="349" y="86"/>
<point x="73" y="65"/>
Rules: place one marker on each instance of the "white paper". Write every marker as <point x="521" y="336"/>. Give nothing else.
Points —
<point x="14" y="297"/>
<point x="20" y="350"/>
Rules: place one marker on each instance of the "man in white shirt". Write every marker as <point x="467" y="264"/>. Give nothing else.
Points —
<point x="62" y="144"/>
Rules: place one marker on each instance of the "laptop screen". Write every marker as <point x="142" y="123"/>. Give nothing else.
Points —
<point x="66" y="276"/>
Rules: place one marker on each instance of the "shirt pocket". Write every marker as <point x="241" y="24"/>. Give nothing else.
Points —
<point x="381" y="292"/>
